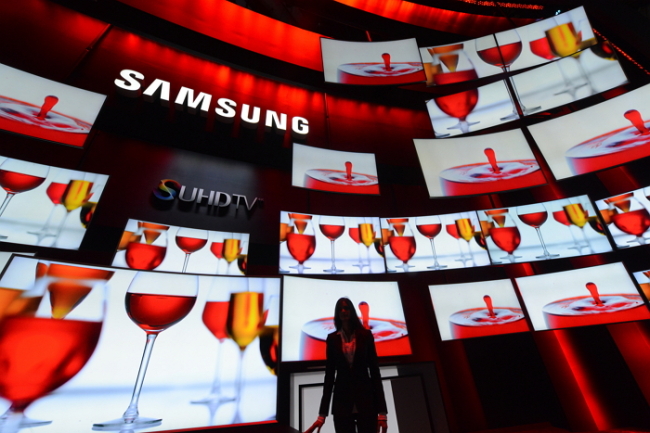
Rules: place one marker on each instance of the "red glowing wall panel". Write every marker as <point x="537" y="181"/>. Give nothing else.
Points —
<point x="239" y="26"/>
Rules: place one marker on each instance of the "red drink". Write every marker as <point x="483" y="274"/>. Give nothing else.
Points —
<point x="190" y="245"/>
<point x="144" y="256"/>
<point x="477" y="322"/>
<point x="155" y="313"/>
<point x="55" y="192"/>
<point x="215" y="316"/>
<point x="338" y="181"/>
<point x="14" y="182"/>
<point x="540" y="47"/>
<point x="39" y="355"/>
<point x="301" y="247"/>
<point x="480" y="178"/>
<point x="391" y="338"/>
<point x="65" y="295"/>
<point x="332" y="232"/>
<point x="378" y="74"/>
<point x="403" y="247"/>
<point x="460" y="104"/>
<point x="269" y="341"/>
<point x="561" y="217"/>
<point x="584" y="310"/>
<point x="430" y="230"/>
<point x="506" y="238"/>
<point x="455" y="77"/>
<point x="635" y="222"/>
<point x="534" y="219"/>
<point x="452" y="229"/>
<point x="354" y="234"/>
<point x="501" y="56"/>
<point x="217" y="249"/>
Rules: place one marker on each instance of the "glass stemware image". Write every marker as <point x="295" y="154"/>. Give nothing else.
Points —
<point x="302" y="241"/>
<point x="505" y="234"/>
<point x="18" y="176"/>
<point x="457" y="68"/>
<point x="402" y="241"/>
<point x="285" y="228"/>
<point x="66" y="336"/>
<point x="216" y="248"/>
<point x="154" y="301"/>
<point x="332" y="228"/>
<point x="270" y="334"/>
<point x="76" y="194"/>
<point x="232" y="248"/>
<point x="367" y="234"/>
<point x="560" y="215"/>
<point x="430" y="227"/>
<point x="353" y="232"/>
<point x="631" y="216"/>
<point x="190" y="241"/>
<point x="149" y="250"/>
<point x="465" y="230"/>
<point x="579" y="217"/>
<point x="535" y="215"/>
<point x="452" y="230"/>
<point x="54" y="192"/>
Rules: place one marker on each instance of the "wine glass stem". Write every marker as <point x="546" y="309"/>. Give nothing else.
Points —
<point x="240" y="372"/>
<point x="187" y="260"/>
<point x="368" y="258"/>
<point x="6" y="201"/>
<point x="541" y="241"/>
<point x="435" y="255"/>
<point x="131" y="413"/>
<point x="584" y="236"/>
<point x="216" y="384"/>
<point x="333" y="266"/>
<point x="12" y="421"/>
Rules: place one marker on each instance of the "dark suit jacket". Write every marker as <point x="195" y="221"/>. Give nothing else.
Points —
<point x="359" y="385"/>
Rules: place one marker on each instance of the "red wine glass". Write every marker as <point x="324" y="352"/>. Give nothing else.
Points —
<point x="332" y="228"/>
<point x="535" y="215"/>
<point x="147" y="252"/>
<point x="353" y="232"/>
<point x="302" y="241"/>
<point x="402" y="242"/>
<point x="216" y="248"/>
<point x="54" y="192"/>
<point x="18" y="176"/>
<point x="154" y="301"/>
<point x="190" y="241"/>
<point x="631" y="217"/>
<point x="430" y="227"/>
<point x="505" y="235"/>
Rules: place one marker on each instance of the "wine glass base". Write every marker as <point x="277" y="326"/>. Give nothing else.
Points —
<point x="212" y="399"/>
<point x="437" y="267"/>
<point x="511" y="116"/>
<point x="333" y="271"/>
<point x="26" y="422"/>
<point x="3" y="237"/>
<point x="283" y="271"/>
<point x="119" y="424"/>
<point x="547" y="256"/>
<point x="528" y="111"/>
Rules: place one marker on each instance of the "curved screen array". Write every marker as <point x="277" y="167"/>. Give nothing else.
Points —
<point x="541" y="42"/>
<point x="371" y="63"/>
<point x="627" y="217"/>
<point x="45" y="109"/>
<point x="478" y="165"/>
<point x="334" y="171"/>
<point x="306" y="324"/>
<point x="47" y="206"/>
<point x="151" y="246"/>
<point x="605" y="135"/>
<point x="197" y="320"/>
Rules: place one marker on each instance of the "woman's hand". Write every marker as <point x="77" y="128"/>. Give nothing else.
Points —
<point x="317" y="425"/>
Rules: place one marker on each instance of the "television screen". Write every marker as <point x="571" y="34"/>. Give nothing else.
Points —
<point x="433" y="242"/>
<point x="325" y="244"/>
<point x="199" y="327"/>
<point x="478" y="165"/>
<point x="334" y="171"/>
<point x="308" y="310"/>
<point x="605" y="135"/>
<point x="471" y="110"/>
<point x="643" y="280"/>
<point x="152" y="246"/>
<point x="477" y="309"/>
<point x="42" y="108"/>
<point x="371" y="63"/>
<point x="541" y="231"/>
<point x="568" y="80"/>
<point x="46" y="206"/>
<point x="580" y="297"/>
<point x="627" y="217"/>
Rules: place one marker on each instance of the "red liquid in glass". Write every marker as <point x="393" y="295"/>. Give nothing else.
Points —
<point x="506" y="238"/>
<point x="143" y="256"/>
<point x="190" y="245"/>
<point x="55" y="192"/>
<point x="460" y="104"/>
<point x="476" y="322"/>
<point x="155" y="313"/>
<point x="634" y="223"/>
<point x="217" y="249"/>
<point x="455" y="77"/>
<point x="215" y="315"/>
<point x="561" y="217"/>
<point x="430" y="230"/>
<point x="480" y="178"/>
<point x="13" y="182"/>
<point x="403" y="247"/>
<point x="38" y="355"/>
<point x="535" y="219"/>
<point x="332" y="232"/>
<point x="301" y="247"/>
<point x="354" y="234"/>
<point x="339" y="181"/>
<point x="378" y="74"/>
<point x="583" y="311"/>
<point x="540" y="47"/>
<point x="452" y="229"/>
<point x="503" y="55"/>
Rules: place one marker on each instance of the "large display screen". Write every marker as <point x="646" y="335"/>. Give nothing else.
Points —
<point x="46" y="206"/>
<point x="471" y="110"/>
<point x="478" y="165"/>
<point x="643" y="280"/>
<point x="334" y="171"/>
<point x="602" y="136"/>
<point x="542" y="231"/>
<point x="627" y="217"/>
<point x="569" y="79"/>
<point x="477" y="309"/>
<point x="42" y="108"/>
<point x="308" y="315"/>
<point x="433" y="242"/>
<point x="371" y="63"/>
<point x="580" y="297"/>
<point x="207" y="331"/>
<point x="325" y="244"/>
<point x="152" y="246"/>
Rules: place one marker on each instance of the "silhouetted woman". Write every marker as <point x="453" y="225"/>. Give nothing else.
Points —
<point x="352" y="372"/>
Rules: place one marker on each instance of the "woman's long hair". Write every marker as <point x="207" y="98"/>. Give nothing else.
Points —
<point x="354" y="319"/>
